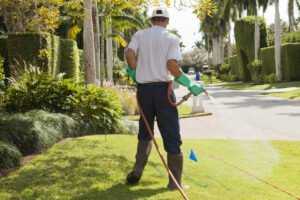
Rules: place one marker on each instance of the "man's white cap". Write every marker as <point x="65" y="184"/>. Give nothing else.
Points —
<point x="160" y="12"/>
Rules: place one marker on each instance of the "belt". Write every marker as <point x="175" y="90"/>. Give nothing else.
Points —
<point x="154" y="84"/>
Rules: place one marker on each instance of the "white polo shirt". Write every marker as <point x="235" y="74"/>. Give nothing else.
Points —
<point x="154" y="47"/>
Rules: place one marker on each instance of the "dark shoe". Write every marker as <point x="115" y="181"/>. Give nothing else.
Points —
<point x="175" y="164"/>
<point x="141" y="159"/>
<point x="132" y="178"/>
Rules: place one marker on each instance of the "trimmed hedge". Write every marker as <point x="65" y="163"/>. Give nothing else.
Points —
<point x="290" y="60"/>
<point x="293" y="37"/>
<point x="36" y="130"/>
<point x="10" y="156"/>
<point x="32" y="48"/>
<point x="49" y="52"/>
<point x="4" y="55"/>
<point x="235" y="68"/>
<point x="244" y="36"/>
<point x="70" y="62"/>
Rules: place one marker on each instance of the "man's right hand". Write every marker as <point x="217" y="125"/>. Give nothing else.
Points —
<point x="196" y="89"/>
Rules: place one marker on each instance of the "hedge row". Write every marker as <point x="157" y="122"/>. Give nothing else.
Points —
<point x="49" y="52"/>
<point x="10" y="156"/>
<point x="244" y="35"/>
<point x="293" y="37"/>
<point x="290" y="60"/>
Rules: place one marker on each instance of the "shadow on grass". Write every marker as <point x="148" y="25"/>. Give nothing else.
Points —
<point x="121" y="191"/>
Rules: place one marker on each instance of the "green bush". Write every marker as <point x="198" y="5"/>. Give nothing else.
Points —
<point x="256" y="71"/>
<point x="293" y="37"/>
<point x="225" y="68"/>
<point x="4" y="56"/>
<point x="244" y="36"/>
<point x="98" y="109"/>
<point x="36" y="130"/>
<point x="70" y="62"/>
<point x="9" y="156"/>
<point x="271" y="78"/>
<point x="235" y="68"/>
<point x="36" y="90"/>
<point x="56" y="55"/>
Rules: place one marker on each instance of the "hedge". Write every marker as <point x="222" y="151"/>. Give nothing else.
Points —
<point x="10" y="156"/>
<point x="4" y="55"/>
<point x="70" y="62"/>
<point x="290" y="60"/>
<point x="293" y="37"/>
<point x="49" y="52"/>
<point x="235" y="68"/>
<point x="31" y="48"/>
<point x="244" y="36"/>
<point x="36" y="130"/>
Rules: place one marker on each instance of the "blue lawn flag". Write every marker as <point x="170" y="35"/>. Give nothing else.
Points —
<point x="193" y="156"/>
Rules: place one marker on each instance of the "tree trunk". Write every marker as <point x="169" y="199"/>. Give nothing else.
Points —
<point x="97" y="41"/>
<point x="256" y="40"/>
<point x="291" y="14"/>
<point x="109" y="52"/>
<point x="102" y="50"/>
<point x="88" y="44"/>
<point x="229" y="49"/>
<point x="277" y="42"/>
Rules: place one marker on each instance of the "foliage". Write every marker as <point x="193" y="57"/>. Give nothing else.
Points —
<point x="128" y="102"/>
<point x="36" y="130"/>
<point x="244" y="35"/>
<point x="225" y="68"/>
<point x="256" y="68"/>
<point x="271" y="78"/>
<point x="22" y="16"/>
<point x="70" y="64"/>
<point x="98" y="109"/>
<point x="9" y="156"/>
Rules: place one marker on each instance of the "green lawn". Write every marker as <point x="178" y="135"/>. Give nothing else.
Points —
<point x="252" y="86"/>
<point x="94" y="168"/>
<point x="295" y="94"/>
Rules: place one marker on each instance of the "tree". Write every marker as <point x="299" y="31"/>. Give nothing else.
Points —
<point x="31" y="15"/>
<point x="291" y="14"/>
<point x="89" y="48"/>
<point x="277" y="41"/>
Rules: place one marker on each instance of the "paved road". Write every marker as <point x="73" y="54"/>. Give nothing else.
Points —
<point x="244" y="115"/>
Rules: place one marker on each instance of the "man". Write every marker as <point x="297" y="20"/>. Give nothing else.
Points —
<point x="152" y="55"/>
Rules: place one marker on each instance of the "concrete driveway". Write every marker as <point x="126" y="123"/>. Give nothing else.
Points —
<point x="243" y="115"/>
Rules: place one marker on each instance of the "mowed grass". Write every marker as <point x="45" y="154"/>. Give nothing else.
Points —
<point x="252" y="86"/>
<point x="95" y="167"/>
<point x="295" y="94"/>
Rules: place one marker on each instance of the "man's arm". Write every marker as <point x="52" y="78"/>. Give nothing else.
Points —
<point x="131" y="58"/>
<point x="183" y="79"/>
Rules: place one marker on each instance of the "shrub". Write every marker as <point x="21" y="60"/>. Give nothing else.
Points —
<point x="35" y="90"/>
<point x="9" y="156"/>
<point x="244" y="36"/>
<point x="1" y="68"/>
<point x="128" y="102"/>
<point x="70" y="62"/>
<point x="98" y="109"/>
<point x="36" y="130"/>
<point x="271" y="78"/>
<point x="255" y="68"/>
<point x="235" y="68"/>
<point x="225" y="68"/>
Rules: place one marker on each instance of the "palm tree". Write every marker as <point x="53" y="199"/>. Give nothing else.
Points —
<point x="89" y="49"/>
<point x="96" y="25"/>
<point x="292" y="21"/>
<point x="277" y="41"/>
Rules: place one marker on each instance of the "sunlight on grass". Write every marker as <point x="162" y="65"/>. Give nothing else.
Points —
<point x="252" y="86"/>
<point x="295" y="94"/>
<point x="95" y="168"/>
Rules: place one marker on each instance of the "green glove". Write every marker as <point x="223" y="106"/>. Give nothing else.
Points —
<point x="131" y="73"/>
<point x="195" y="88"/>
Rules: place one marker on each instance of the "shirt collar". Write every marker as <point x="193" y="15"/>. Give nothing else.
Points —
<point x="158" y="27"/>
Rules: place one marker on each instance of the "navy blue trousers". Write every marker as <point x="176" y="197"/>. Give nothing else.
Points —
<point x="154" y="102"/>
